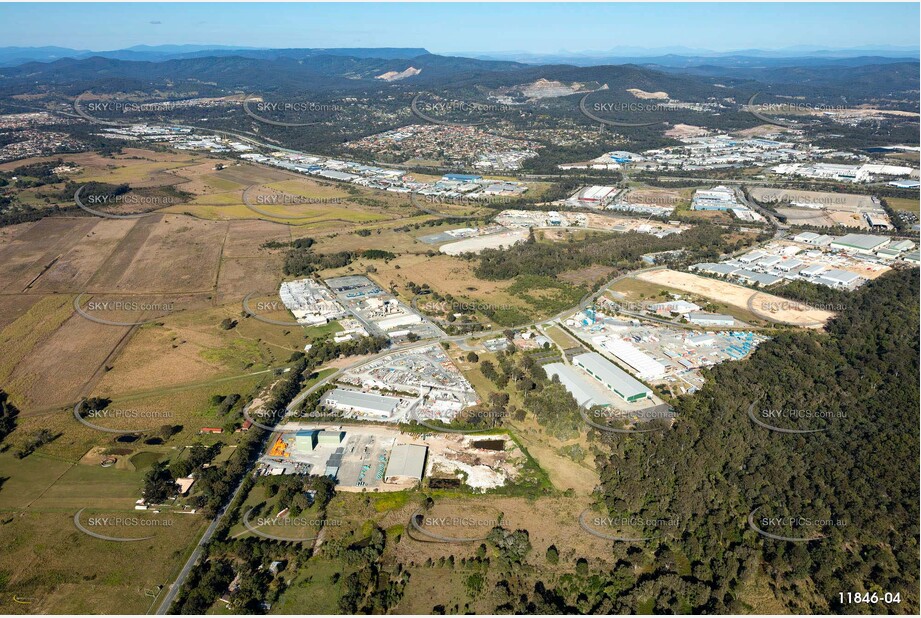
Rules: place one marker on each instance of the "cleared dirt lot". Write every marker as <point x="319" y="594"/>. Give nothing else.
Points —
<point x="245" y="238"/>
<point x="685" y="130"/>
<point x="834" y="201"/>
<point x="35" y="249"/>
<point x="831" y="209"/>
<point x="659" y="197"/>
<point x="741" y="297"/>
<point x="476" y="244"/>
<point x="165" y="253"/>
<point x="63" y="364"/>
<point x="824" y="218"/>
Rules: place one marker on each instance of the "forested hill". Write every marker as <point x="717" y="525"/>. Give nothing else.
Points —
<point x="716" y="466"/>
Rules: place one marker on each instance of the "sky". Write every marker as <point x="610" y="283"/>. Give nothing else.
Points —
<point x="481" y="27"/>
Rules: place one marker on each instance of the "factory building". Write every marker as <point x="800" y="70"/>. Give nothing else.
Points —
<point x="365" y="403"/>
<point x="407" y="462"/>
<point x="397" y="321"/>
<point x="329" y="437"/>
<point x="717" y="198"/>
<point x="877" y="222"/>
<point x="905" y="184"/>
<point x="716" y="269"/>
<point x="751" y="276"/>
<point x="705" y="339"/>
<point x="612" y="376"/>
<point x="462" y="177"/>
<point x="839" y="279"/>
<point x="812" y="270"/>
<point x="645" y="366"/>
<point x="680" y="307"/>
<point x="334" y="175"/>
<point x="790" y="265"/>
<point x="902" y="245"/>
<point x="576" y="383"/>
<point x="305" y="440"/>
<point x="595" y="194"/>
<point x="861" y="243"/>
<point x="888" y="253"/>
<point x="811" y="238"/>
<point x="711" y="319"/>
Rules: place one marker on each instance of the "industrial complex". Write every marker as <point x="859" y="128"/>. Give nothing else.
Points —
<point x="656" y="354"/>
<point x="310" y="302"/>
<point x="377" y="458"/>
<point x="378" y="311"/>
<point x="845" y="262"/>
<point x="419" y="383"/>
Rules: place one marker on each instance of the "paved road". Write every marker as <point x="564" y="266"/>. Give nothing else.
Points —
<point x="458" y="339"/>
<point x="780" y="228"/>
<point x="176" y="586"/>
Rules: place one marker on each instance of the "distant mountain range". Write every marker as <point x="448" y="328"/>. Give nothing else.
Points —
<point x="664" y="56"/>
<point x="209" y="70"/>
<point x="684" y="56"/>
<point x="14" y="56"/>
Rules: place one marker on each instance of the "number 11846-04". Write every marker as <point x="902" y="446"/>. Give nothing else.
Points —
<point x="869" y="598"/>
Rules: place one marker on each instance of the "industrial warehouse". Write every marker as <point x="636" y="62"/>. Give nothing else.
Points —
<point x="348" y="401"/>
<point x="723" y="199"/>
<point x="379" y="312"/>
<point x="428" y="383"/>
<point x="846" y="262"/>
<point x="407" y="462"/>
<point x="587" y="392"/>
<point x="612" y="376"/>
<point x="592" y="197"/>
<point x="376" y="458"/>
<point x="670" y="357"/>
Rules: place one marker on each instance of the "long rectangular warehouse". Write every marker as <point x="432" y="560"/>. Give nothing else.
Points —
<point x="645" y="366"/>
<point x="576" y="383"/>
<point x="369" y="403"/>
<point x="612" y="376"/>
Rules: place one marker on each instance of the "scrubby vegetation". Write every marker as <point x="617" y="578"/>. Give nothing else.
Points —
<point x="716" y="466"/>
<point x="622" y="252"/>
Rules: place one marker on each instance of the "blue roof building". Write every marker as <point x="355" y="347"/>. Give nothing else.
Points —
<point x="462" y="177"/>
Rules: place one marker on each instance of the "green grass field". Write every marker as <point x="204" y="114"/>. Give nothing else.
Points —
<point x="53" y="567"/>
<point x="904" y="203"/>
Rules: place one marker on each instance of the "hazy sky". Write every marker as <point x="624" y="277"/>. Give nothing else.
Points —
<point x="443" y="28"/>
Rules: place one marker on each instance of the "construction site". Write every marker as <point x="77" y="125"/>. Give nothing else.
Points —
<point x="588" y="220"/>
<point x="812" y="257"/>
